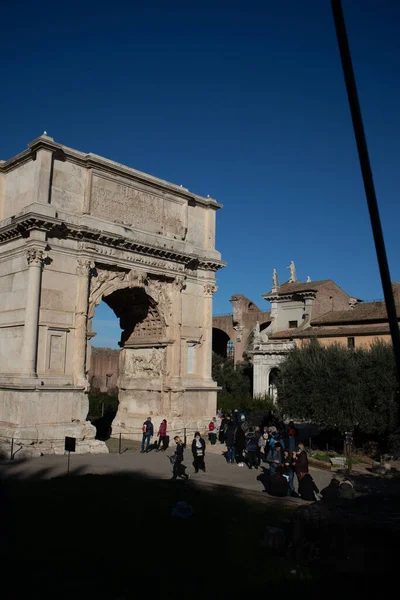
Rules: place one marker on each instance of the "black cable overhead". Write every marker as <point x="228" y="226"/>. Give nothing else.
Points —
<point x="368" y="180"/>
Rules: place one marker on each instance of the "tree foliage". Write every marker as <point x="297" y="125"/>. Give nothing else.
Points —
<point x="236" y="383"/>
<point x="337" y="388"/>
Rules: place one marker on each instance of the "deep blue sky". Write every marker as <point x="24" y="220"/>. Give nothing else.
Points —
<point x="244" y="101"/>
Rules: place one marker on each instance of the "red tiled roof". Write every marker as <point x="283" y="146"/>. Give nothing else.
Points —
<point x="299" y="286"/>
<point x="344" y="330"/>
<point x="363" y="312"/>
<point x="284" y="334"/>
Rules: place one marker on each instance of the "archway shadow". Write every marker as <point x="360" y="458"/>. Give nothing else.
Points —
<point x="104" y="426"/>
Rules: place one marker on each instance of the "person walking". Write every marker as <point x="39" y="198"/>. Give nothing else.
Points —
<point x="198" y="451"/>
<point x="251" y="448"/>
<point x="230" y="436"/>
<point x="148" y="432"/>
<point x="162" y="435"/>
<point x="212" y="433"/>
<point x="178" y="468"/>
<point x="292" y="434"/>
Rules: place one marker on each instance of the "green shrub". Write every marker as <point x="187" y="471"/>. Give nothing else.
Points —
<point x="96" y="402"/>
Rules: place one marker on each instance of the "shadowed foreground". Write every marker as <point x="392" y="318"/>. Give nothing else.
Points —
<point x="113" y="536"/>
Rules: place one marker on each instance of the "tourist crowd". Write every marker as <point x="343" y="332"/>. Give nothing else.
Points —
<point x="274" y="448"/>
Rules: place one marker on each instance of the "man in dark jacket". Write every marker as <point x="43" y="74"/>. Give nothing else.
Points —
<point x="230" y="440"/>
<point x="251" y="447"/>
<point x="148" y="432"/>
<point x="222" y="430"/>
<point x="275" y="458"/>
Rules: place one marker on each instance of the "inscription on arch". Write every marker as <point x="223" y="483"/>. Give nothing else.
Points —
<point x="120" y="202"/>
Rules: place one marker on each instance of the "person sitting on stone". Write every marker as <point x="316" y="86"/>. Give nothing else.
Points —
<point x="279" y="484"/>
<point x="307" y="488"/>
<point x="330" y="493"/>
<point x="346" y="490"/>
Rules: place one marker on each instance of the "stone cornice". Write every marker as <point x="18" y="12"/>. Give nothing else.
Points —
<point x="20" y="227"/>
<point x="276" y="297"/>
<point x="90" y="161"/>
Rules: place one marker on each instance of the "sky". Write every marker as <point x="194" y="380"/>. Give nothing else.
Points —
<point x="244" y="101"/>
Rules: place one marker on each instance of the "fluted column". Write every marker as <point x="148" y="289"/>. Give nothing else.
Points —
<point x="209" y="290"/>
<point x="35" y="260"/>
<point x="178" y="285"/>
<point x="83" y="269"/>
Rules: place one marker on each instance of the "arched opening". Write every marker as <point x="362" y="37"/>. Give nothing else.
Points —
<point x="222" y="344"/>
<point x="134" y="351"/>
<point x="272" y="387"/>
<point x="105" y="334"/>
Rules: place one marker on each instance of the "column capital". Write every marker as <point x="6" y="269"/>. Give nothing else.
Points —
<point x="210" y="289"/>
<point x="35" y="257"/>
<point x="84" y="266"/>
<point x="179" y="282"/>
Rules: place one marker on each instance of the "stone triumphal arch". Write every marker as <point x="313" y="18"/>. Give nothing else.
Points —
<point x="77" y="229"/>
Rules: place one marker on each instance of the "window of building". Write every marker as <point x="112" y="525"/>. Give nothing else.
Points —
<point x="292" y="324"/>
<point x="108" y="380"/>
<point x="350" y="343"/>
<point x="190" y="359"/>
<point x="230" y="350"/>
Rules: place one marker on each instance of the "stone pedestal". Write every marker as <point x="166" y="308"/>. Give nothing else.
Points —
<point x="40" y="418"/>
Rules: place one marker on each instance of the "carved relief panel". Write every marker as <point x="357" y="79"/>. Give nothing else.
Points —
<point x="144" y="363"/>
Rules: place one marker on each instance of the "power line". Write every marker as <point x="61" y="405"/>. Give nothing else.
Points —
<point x="368" y="180"/>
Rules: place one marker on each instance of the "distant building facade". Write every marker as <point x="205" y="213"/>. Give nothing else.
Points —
<point x="313" y="310"/>
<point x="104" y="370"/>
<point x="233" y="334"/>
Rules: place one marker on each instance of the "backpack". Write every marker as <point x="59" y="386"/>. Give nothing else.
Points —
<point x="211" y="426"/>
<point x="144" y="428"/>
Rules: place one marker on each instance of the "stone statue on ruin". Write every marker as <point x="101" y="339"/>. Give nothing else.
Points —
<point x="275" y="278"/>
<point x="292" y="268"/>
